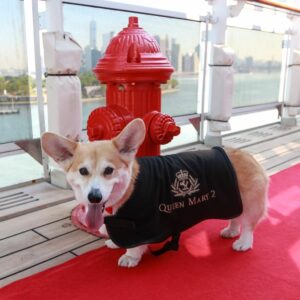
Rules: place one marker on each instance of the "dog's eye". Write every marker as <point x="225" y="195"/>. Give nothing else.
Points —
<point x="84" y="171"/>
<point x="108" y="171"/>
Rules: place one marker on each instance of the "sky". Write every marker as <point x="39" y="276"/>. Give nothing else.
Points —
<point x="108" y="21"/>
<point x="187" y="33"/>
<point x="77" y="20"/>
<point x="12" y="35"/>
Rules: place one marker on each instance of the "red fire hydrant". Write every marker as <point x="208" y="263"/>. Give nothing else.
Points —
<point x="133" y="69"/>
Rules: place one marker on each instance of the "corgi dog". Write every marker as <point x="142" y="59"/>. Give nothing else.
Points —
<point x="108" y="173"/>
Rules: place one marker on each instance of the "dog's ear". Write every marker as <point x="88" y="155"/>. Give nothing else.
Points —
<point x="59" y="148"/>
<point x="130" y="138"/>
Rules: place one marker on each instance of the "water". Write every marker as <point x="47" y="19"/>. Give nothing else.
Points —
<point x="256" y="88"/>
<point x="16" y="126"/>
<point x="184" y="100"/>
<point x="250" y="89"/>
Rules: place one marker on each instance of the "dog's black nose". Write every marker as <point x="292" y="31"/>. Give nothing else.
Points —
<point x="95" y="196"/>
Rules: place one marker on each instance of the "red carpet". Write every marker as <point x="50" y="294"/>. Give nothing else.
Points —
<point x="205" y="267"/>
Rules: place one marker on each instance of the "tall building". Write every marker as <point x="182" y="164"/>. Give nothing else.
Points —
<point x="91" y="54"/>
<point x="157" y="37"/>
<point x="249" y="63"/>
<point x="106" y="37"/>
<point x="93" y="35"/>
<point x="176" y="56"/>
<point x="186" y="63"/>
<point x="190" y="63"/>
<point x="197" y="51"/>
<point x="87" y="62"/>
<point x="165" y="46"/>
<point x="196" y="61"/>
<point x="95" y="56"/>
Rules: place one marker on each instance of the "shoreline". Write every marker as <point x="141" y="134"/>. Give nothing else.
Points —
<point x="84" y="100"/>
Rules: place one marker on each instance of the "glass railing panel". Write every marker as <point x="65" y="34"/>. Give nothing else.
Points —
<point x="16" y="85"/>
<point x="94" y="27"/>
<point x="265" y="18"/>
<point x="18" y="104"/>
<point x="257" y="66"/>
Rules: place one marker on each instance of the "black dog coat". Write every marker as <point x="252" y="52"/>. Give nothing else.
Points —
<point x="173" y="193"/>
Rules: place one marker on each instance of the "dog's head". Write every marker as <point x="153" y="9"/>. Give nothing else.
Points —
<point x="98" y="171"/>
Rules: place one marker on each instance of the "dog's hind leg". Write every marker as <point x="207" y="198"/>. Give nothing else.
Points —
<point x="253" y="186"/>
<point x="250" y="218"/>
<point x="245" y="241"/>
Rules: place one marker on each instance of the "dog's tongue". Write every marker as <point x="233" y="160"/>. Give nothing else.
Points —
<point x="94" y="216"/>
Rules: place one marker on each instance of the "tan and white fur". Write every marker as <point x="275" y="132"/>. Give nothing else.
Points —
<point x="106" y="171"/>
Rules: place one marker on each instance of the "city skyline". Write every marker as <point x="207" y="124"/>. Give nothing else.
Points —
<point x="181" y="62"/>
<point x="13" y="58"/>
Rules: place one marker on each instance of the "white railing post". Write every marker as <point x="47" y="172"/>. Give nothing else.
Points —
<point x="54" y="15"/>
<point x="62" y="61"/>
<point x="291" y="103"/>
<point x="38" y="77"/>
<point x="220" y="76"/>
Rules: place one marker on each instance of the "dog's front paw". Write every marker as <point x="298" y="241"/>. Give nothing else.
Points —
<point x="110" y="244"/>
<point x="229" y="233"/>
<point x="128" y="261"/>
<point x="242" y="244"/>
<point x="103" y="231"/>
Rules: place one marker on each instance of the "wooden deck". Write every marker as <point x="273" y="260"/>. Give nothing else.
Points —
<point x="44" y="236"/>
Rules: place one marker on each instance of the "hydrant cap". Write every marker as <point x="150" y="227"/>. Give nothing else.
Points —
<point x="133" y="22"/>
<point x="133" y="55"/>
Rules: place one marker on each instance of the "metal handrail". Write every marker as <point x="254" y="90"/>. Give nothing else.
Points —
<point x="119" y="6"/>
<point x="278" y="5"/>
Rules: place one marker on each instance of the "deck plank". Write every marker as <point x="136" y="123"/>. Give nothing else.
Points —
<point x="41" y="187"/>
<point x="276" y="151"/>
<point x="37" y="268"/>
<point x="283" y="166"/>
<point x="91" y="246"/>
<point x="56" y="229"/>
<point x="267" y="145"/>
<point x="281" y="159"/>
<point x="259" y="136"/>
<point x="45" y="199"/>
<point x="36" y="219"/>
<point x="19" y="242"/>
<point x="24" y="259"/>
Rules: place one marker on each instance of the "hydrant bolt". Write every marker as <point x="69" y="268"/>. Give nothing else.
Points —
<point x="173" y="129"/>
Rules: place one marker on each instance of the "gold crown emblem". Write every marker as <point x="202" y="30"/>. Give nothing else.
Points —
<point x="184" y="184"/>
<point x="182" y="175"/>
